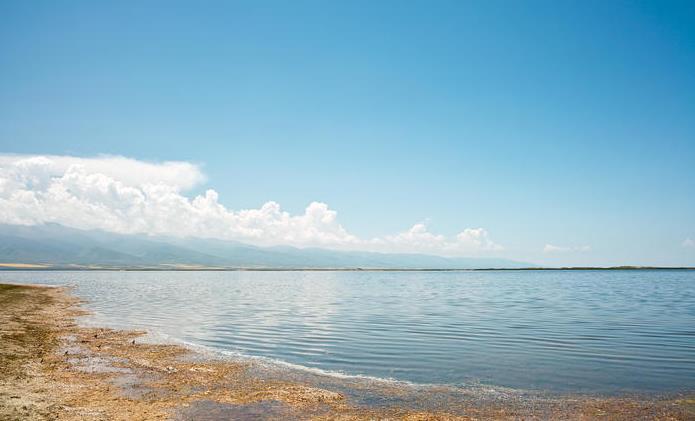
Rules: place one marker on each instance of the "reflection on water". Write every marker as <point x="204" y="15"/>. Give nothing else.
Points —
<point x="599" y="331"/>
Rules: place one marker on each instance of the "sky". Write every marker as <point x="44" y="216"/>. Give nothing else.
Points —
<point x="553" y="132"/>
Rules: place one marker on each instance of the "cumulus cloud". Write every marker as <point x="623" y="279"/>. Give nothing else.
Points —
<point x="122" y="195"/>
<point x="418" y="238"/>
<point x="688" y="242"/>
<point x="552" y="249"/>
<point x="130" y="172"/>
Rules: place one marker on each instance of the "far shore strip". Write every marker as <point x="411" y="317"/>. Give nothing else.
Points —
<point x="23" y="265"/>
<point x="189" y="267"/>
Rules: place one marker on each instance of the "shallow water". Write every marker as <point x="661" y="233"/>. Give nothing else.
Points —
<point x="562" y="331"/>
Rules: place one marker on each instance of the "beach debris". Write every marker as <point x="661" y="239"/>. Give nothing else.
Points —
<point x="170" y="369"/>
<point x="201" y="369"/>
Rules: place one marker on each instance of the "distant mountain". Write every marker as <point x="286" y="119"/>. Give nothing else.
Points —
<point x="57" y="245"/>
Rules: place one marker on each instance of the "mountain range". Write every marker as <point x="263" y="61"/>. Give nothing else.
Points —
<point x="54" y="245"/>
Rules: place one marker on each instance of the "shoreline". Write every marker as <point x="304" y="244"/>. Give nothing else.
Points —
<point x="53" y="368"/>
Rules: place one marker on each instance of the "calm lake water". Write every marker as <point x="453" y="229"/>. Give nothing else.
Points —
<point x="565" y="331"/>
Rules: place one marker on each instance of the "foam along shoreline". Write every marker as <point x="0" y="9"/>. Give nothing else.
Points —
<point x="50" y="367"/>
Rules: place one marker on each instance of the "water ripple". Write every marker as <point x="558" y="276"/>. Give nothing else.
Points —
<point x="566" y="331"/>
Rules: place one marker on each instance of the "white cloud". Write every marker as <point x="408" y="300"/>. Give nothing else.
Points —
<point x="418" y="238"/>
<point x="688" y="242"/>
<point x="552" y="249"/>
<point x="130" y="172"/>
<point x="123" y="195"/>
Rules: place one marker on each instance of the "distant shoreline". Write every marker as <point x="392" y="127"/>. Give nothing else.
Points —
<point x="77" y="268"/>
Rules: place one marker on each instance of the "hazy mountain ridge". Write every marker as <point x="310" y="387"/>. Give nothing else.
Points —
<point x="54" y="244"/>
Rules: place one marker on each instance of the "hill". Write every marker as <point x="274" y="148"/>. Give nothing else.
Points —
<point x="55" y="245"/>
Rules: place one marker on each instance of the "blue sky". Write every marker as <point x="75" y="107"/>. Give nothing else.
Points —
<point x="562" y="124"/>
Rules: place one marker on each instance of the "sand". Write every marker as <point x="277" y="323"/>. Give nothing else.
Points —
<point x="52" y="368"/>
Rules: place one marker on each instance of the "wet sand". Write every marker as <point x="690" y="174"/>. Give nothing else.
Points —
<point x="52" y="368"/>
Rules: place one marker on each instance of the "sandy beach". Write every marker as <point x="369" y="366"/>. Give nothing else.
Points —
<point x="53" y="368"/>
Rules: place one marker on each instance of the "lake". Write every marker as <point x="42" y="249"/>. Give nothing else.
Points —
<point x="563" y="331"/>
